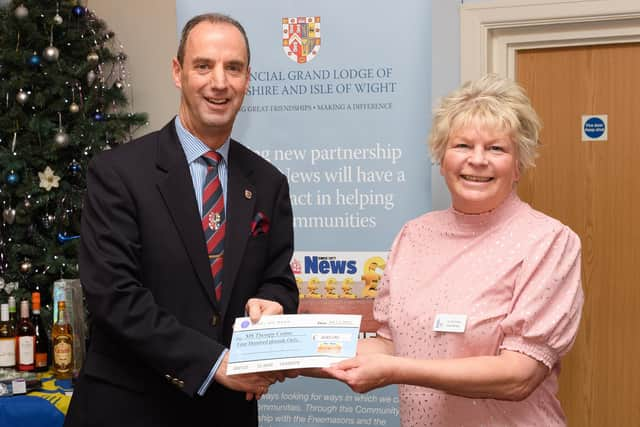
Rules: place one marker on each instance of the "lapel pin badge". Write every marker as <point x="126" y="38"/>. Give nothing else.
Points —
<point x="248" y="194"/>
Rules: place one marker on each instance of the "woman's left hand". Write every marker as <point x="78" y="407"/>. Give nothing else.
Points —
<point x="365" y="372"/>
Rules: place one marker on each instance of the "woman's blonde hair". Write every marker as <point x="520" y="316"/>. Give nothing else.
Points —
<point x="492" y="101"/>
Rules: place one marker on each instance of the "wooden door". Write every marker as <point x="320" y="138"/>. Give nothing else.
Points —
<point x="594" y="187"/>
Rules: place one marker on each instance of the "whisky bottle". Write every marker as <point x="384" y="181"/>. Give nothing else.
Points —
<point x="7" y="339"/>
<point x="42" y="340"/>
<point x="26" y="337"/>
<point x="62" y="337"/>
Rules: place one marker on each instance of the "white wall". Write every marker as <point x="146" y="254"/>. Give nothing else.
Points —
<point x="147" y="31"/>
<point x="445" y="74"/>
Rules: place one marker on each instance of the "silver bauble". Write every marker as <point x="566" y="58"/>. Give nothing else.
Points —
<point x="93" y="58"/>
<point x="57" y="19"/>
<point x="118" y="84"/>
<point x="21" y="12"/>
<point x="91" y="76"/>
<point x="61" y="139"/>
<point x="51" y="53"/>
<point x="25" y="267"/>
<point x="22" y="97"/>
<point x="9" y="215"/>
<point x="74" y="108"/>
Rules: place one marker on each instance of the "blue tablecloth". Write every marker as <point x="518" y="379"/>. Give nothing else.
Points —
<point x="45" y="407"/>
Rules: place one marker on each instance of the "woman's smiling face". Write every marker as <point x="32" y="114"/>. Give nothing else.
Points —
<point x="480" y="167"/>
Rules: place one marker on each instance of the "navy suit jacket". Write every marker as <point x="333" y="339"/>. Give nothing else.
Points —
<point x="156" y="328"/>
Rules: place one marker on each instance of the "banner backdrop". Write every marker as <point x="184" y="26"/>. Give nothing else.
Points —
<point x="339" y="101"/>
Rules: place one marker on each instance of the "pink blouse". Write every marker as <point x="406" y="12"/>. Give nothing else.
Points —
<point x="515" y="273"/>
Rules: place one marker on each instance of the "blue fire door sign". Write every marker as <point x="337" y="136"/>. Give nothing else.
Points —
<point x="594" y="127"/>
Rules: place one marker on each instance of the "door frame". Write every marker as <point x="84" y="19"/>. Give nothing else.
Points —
<point x="491" y="33"/>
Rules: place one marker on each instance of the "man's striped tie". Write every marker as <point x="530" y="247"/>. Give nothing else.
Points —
<point x="213" y="219"/>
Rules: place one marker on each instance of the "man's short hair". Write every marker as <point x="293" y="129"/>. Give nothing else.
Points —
<point x="214" y="18"/>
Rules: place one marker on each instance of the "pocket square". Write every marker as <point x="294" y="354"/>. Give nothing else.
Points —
<point x="260" y="224"/>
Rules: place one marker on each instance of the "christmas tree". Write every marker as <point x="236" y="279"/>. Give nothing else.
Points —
<point x="63" y="98"/>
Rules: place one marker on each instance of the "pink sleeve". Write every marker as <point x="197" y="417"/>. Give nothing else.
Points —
<point x="383" y="297"/>
<point x="547" y="300"/>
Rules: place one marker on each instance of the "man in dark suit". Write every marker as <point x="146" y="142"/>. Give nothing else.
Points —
<point x="163" y="301"/>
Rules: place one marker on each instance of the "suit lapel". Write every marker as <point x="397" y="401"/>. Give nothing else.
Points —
<point x="176" y="187"/>
<point x="241" y="195"/>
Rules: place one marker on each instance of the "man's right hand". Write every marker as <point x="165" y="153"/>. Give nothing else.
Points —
<point x="255" y="384"/>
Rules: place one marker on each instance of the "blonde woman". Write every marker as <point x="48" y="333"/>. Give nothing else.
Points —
<point x="478" y="302"/>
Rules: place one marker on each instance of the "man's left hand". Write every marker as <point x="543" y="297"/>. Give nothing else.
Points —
<point x="257" y="307"/>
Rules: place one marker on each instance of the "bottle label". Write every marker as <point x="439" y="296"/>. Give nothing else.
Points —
<point x="7" y="352"/>
<point x="26" y="346"/>
<point x="62" y="354"/>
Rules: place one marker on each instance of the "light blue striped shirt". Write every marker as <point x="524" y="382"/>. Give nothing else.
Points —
<point x="193" y="150"/>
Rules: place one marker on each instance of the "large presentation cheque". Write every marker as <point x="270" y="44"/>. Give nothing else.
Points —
<point x="292" y="341"/>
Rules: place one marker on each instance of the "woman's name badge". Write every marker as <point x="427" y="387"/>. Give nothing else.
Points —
<point x="450" y="323"/>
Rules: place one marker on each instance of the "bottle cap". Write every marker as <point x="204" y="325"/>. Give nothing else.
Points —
<point x="24" y="308"/>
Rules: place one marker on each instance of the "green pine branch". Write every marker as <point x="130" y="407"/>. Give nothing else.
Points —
<point x="57" y="113"/>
